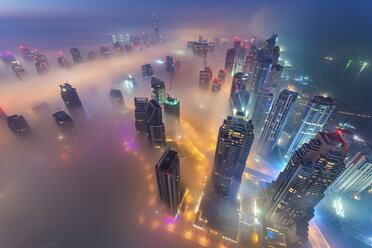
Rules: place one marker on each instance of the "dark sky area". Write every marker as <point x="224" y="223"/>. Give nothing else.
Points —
<point x="309" y="30"/>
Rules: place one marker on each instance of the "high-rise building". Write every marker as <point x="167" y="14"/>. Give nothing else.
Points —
<point x="210" y="47"/>
<point x="130" y="83"/>
<point x="276" y="121"/>
<point x="76" y="57"/>
<point x="72" y="101"/>
<point x="168" y="178"/>
<point x="315" y="115"/>
<point x="204" y="78"/>
<point x="140" y="112"/>
<point x="64" y="122"/>
<point x="158" y="90"/>
<point x="239" y="96"/>
<point x="240" y="50"/>
<point x="147" y="70"/>
<point x="290" y="200"/>
<point x="209" y="70"/>
<point x="274" y="77"/>
<point x="18" y="125"/>
<point x="229" y="61"/>
<point x="169" y="64"/>
<point x="157" y="30"/>
<point x="104" y="51"/>
<point x="7" y="58"/>
<point x="200" y="49"/>
<point x="250" y="62"/>
<point x="118" y="47"/>
<point x="18" y="70"/>
<point x="91" y="56"/>
<point x="261" y="72"/>
<point x="262" y="108"/>
<point x="63" y="62"/>
<point x="41" y="63"/>
<point x="117" y="100"/>
<point x="216" y="85"/>
<point x="27" y="54"/>
<point x="172" y="116"/>
<point x="221" y="75"/>
<point x="357" y="176"/>
<point x="155" y="125"/>
<point x="234" y="143"/>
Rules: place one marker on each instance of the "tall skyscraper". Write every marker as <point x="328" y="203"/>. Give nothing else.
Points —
<point x="261" y="109"/>
<point x="63" y="62"/>
<point x="229" y="61"/>
<point x="76" y="57"/>
<point x="41" y="63"/>
<point x="290" y="200"/>
<point x="169" y="64"/>
<point x="140" y="112"/>
<point x="234" y="143"/>
<point x="357" y="176"/>
<point x="274" y="77"/>
<point x="157" y="30"/>
<point x="155" y="125"/>
<point x="216" y="85"/>
<point x="27" y="54"/>
<point x="18" y="125"/>
<point x="91" y="56"/>
<point x="168" y="178"/>
<point x="117" y="100"/>
<point x="72" y="101"/>
<point x="239" y="96"/>
<point x="172" y="116"/>
<point x="261" y="72"/>
<point x="200" y="49"/>
<point x="314" y="117"/>
<point x="64" y="122"/>
<point x="250" y="62"/>
<point x="204" y="78"/>
<point x="147" y="70"/>
<point x="18" y="70"/>
<point x="158" y="90"/>
<point x="104" y="51"/>
<point x="276" y="121"/>
<point x="221" y="75"/>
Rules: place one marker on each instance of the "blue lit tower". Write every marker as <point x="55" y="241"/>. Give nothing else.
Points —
<point x="315" y="115"/>
<point x="276" y="121"/>
<point x="289" y="202"/>
<point x="239" y="96"/>
<point x="234" y="143"/>
<point x="262" y="108"/>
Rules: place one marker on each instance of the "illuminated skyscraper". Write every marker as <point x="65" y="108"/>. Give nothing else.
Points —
<point x="64" y="122"/>
<point x="261" y="72"/>
<point x="63" y="62"/>
<point x="72" y="101"/>
<point x="204" y="78"/>
<point x="158" y="90"/>
<point x="216" y="85"/>
<point x="200" y="49"/>
<point x="168" y="178"/>
<point x="18" y="70"/>
<point x="41" y="63"/>
<point x="27" y="54"/>
<point x="76" y="57"/>
<point x="140" y="112"/>
<point x="104" y="51"/>
<point x="172" y="116"/>
<point x="262" y="108"/>
<point x="234" y="143"/>
<point x="18" y="125"/>
<point x="147" y="70"/>
<point x="250" y="62"/>
<point x="229" y="61"/>
<point x="289" y="201"/>
<point x="155" y="125"/>
<point x="314" y="117"/>
<point x="357" y="176"/>
<point x="274" y="77"/>
<point x="118" y="47"/>
<point x="117" y="100"/>
<point x="276" y="121"/>
<point x="221" y="75"/>
<point x="239" y="96"/>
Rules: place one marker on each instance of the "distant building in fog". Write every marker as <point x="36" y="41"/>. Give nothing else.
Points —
<point x="18" y="125"/>
<point x="64" y="122"/>
<point x="72" y="101"/>
<point x="140" y="112"/>
<point x="76" y="57"/>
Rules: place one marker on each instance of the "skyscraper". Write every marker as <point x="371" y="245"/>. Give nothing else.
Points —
<point x="234" y="143"/>
<point x="204" y="78"/>
<point x="140" y="112"/>
<point x="262" y="108"/>
<point x="261" y="72"/>
<point x="76" y="57"/>
<point x="64" y="122"/>
<point x="157" y="30"/>
<point x="276" y="121"/>
<point x="168" y="178"/>
<point x="172" y="116"/>
<point x="27" y="54"/>
<point x="314" y="117"/>
<point x="239" y="96"/>
<point x="72" y="101"/>
<point x="147" y="70"/>
<point x="216" y="85"/>
<point x="357" y="176"/>
<point x="117" y="100"/>
<point x="274" y="77"/>
<point x="41" y="63"/>
<point x="200" y="49"/>
<point x="229" y="61"/>
<point x="221" y="75"/>
<point x="290" y="200"/>
<point x="104" y="51"/>
<point x="169" y="64"/>
<point x="91" y="56"/>
<point x="63" y="62"/>
<point x="18" y="125"/>
<point x="158" y="90"/>
<point x="155" y="125"/>
<point x="18" y="70"/>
